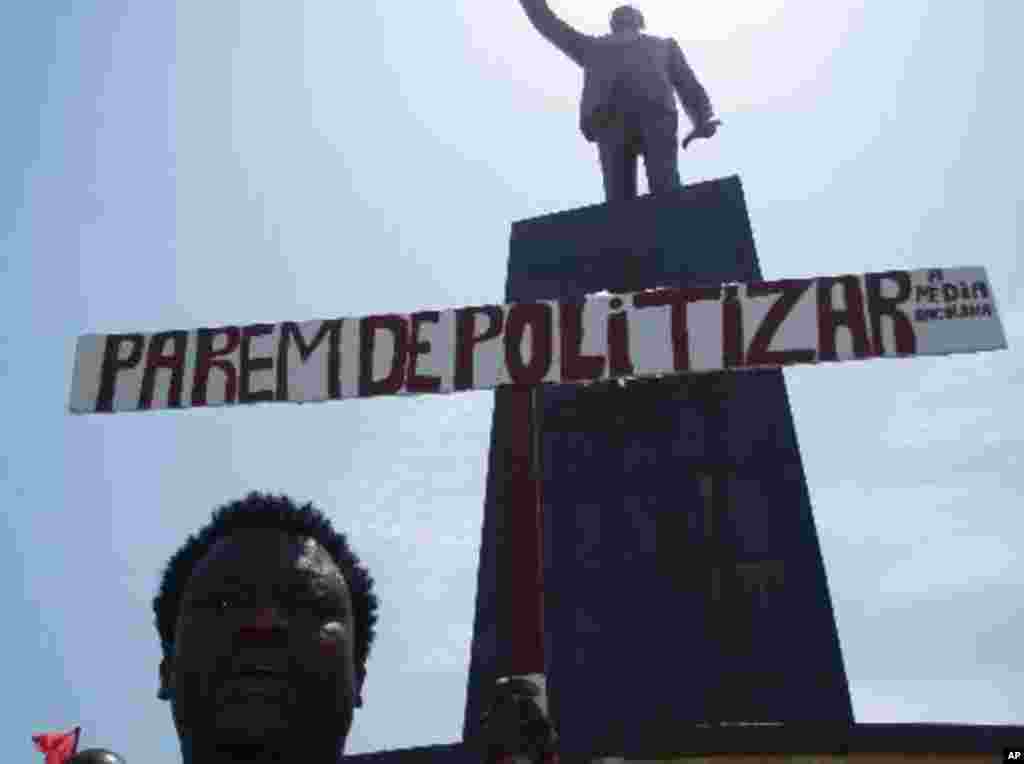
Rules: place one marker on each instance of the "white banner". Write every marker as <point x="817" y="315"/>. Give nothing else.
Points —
<point x="649" y="333"/>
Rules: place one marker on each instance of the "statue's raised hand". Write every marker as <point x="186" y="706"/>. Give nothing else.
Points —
<point x="705" y="130"/>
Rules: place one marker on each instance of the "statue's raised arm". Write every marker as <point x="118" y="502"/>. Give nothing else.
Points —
<point x="628" y="108"/>
<point x="572" y="43"/>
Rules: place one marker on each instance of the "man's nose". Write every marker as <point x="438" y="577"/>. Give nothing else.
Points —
<point x="265" y="621"/>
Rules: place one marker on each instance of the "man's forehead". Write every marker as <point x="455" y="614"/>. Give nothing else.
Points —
<point x="261" y="551"/>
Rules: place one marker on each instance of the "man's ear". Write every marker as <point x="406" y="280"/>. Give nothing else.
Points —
<point x="166" y="690"/>
<point x="360" y="678"/>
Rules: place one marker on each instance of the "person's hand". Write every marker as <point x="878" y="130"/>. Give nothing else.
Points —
<point x="516" y="723"/>
<point x="704" y="130"/>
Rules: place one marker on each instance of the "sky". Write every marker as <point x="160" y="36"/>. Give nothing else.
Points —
<point x="175" y="165"/>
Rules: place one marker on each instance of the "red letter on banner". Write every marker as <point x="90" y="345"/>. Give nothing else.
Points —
<point x="292" y="332"/>
<point x="465" y="323"/>
<point x="678" y="299"/>
<point x="418" y="383"/>
<point x="113" y="363"/>
<point x="878" y="306"/>
<point x="368" y="329"/>
<point x="247" y="365"/>
<point x="617" y="335"/>
<point x="537" y="316"/>
<point x="732" y="329"/>
<point x="830" y="319"/>
<point x="205" y="355"/>
<point x="156" y="359"/>
<point x="791" y="290"/>
<point x="576" y="367"/>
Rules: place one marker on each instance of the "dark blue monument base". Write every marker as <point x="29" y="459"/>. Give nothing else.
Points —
<point x="817" y="741"/>
<point x="684" y="582"/>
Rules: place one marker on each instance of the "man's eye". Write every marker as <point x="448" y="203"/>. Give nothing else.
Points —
<point x="310" y="605"/>
<point x="315" y="607"/>
<point x="222" y="603"/>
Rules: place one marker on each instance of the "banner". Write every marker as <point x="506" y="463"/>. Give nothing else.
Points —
<point x="654" y="332"/>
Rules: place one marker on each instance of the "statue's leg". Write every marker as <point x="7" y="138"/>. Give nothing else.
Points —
<point x="661" y="152"/>
<point x="618" y="167"/>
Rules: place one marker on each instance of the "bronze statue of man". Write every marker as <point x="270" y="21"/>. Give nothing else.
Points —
<point x="628" y="106"/>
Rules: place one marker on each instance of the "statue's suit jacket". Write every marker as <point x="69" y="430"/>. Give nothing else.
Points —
<point x="648" y="67"/>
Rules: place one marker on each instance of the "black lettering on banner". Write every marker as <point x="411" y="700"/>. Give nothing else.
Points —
<point x="830" y="319"/>
<point x="536" y="316"/>
<point x="392" y="381"/>
<point x="466" y="340"/>
<point x="979" y="290"/>
<point x="208" y="359"/>
<point x="878" y="306"/>
<point x="790" y="291"/>
<point x="415" y="382"/>
<point x="113" y="363"/>
<point x="157" y="359"/>
<point x="292" y="332"/>
<point x="248" y="365"/>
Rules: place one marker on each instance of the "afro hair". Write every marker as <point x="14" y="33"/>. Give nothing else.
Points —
<point x="259" y="510"/>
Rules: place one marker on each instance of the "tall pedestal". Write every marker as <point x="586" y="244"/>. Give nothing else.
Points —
<point x="684" y="581"/>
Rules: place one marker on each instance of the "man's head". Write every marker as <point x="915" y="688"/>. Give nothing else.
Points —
<point x="266" y="619"/>
<point x="95" y="756"/>
<point x="626" y="18"/>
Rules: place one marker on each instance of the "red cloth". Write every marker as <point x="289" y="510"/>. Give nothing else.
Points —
<point x="58" y="746"/>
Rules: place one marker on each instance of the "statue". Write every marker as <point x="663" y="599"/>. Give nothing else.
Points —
<point x="628" y="107"/>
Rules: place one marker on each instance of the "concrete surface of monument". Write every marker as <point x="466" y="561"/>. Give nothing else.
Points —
<point x="683" y="577"/>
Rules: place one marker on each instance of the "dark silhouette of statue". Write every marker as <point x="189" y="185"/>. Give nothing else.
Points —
<point x="628" y="107"/>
